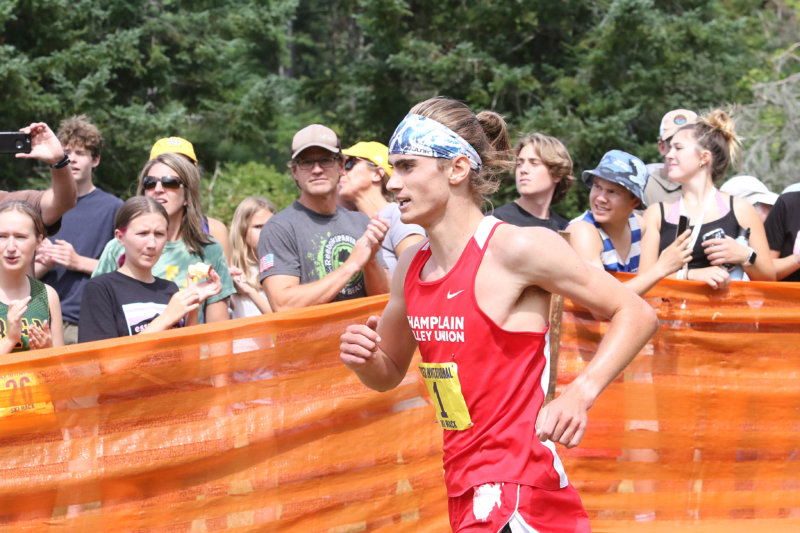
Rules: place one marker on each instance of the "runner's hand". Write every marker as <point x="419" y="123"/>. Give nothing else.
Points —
<point x="563" y="420"/>
<point x="359" y="343"/>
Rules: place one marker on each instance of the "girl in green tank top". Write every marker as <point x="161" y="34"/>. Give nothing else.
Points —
<point x="30" y="312"/>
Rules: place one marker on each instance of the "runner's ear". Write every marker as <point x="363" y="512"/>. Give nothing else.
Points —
<point x="459" y="169"/>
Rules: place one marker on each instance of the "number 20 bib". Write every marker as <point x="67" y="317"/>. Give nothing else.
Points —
<point x="445" y="390"/>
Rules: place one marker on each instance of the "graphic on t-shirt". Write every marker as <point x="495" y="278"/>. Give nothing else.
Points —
<point x="332" y="252"/>
<point x="139" y="315"/>
<point x="24" y="342"/>
<point x="171" y="272"/>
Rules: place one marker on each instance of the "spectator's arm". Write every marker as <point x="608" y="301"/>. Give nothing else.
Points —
<point x="63" y="194"/>
<point x="785" y="266"/>
<point x="218" y="230"/>
<point x="285" y="292"/>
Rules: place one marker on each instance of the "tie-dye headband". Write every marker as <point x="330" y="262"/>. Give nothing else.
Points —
<point x="418" y="135"/>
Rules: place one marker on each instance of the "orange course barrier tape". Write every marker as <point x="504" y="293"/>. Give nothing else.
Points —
<point x="255" y="425"/>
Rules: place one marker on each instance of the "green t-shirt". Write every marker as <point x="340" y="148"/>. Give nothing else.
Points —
<point x="38" y="311"/>
<point x="173" y="265"/>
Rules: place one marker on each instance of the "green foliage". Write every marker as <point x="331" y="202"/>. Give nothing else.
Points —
<point x="238" y="78"/>
<point x="234" y="182"/>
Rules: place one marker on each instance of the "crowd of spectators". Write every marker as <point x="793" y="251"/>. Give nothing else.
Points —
<point x="342" y="237"/>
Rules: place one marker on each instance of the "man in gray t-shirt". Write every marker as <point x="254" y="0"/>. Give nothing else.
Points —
<point x="315" y="251"/>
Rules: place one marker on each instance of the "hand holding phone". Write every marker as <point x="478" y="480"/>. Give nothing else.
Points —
<point x="717" y="233"/>
<point x="683" y="224"/>
<point x="15" y="142"/>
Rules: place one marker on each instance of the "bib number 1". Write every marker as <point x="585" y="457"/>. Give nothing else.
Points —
<point x="445" y="390"/>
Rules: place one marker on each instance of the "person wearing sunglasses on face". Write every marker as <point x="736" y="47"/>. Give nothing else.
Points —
<point x="315" y="251"/>
<point x="366" y="172"/>
<point x="178" y="145"/>
<point x="174" y="182"/>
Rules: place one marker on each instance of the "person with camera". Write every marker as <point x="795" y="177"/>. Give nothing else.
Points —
<point x="698" y="156"/>
<point x="316" y="251"/>
<point x="62" y="195"/>
<point x="67" y="261"/>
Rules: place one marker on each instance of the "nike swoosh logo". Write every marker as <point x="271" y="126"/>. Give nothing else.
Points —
<point x="453" y="295"/>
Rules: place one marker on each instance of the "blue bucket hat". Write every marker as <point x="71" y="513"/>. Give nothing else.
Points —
<point x="622" y="168"/>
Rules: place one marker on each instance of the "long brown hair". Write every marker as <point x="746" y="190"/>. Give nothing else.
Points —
<point x="459" y="118"/>
<point x="192" y="232"/>
<point x="241" y="256"/>
<point x="136" y="206"/>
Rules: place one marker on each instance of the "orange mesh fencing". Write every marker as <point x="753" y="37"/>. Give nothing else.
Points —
<point x="255" y="425"/>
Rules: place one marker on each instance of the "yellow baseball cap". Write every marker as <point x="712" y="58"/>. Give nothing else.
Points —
<point x="371" y="151"/>
<point x="173" y="145"/>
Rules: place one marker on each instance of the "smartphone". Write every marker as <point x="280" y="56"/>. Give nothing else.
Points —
<point x="683" y="223"/>
<point x="718" y="233"/>
<point x="14" y="142"/>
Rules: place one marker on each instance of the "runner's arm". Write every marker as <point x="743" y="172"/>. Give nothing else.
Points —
<point x="380" y="351"/>
<point x="632" y="322"/>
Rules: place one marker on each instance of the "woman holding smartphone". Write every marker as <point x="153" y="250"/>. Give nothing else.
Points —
<point x="698" y="157"/>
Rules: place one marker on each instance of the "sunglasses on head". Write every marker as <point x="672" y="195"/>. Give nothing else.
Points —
<point x="168" y="182"/>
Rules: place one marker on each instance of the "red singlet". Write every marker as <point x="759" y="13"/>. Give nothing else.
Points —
<point x="502" y="374"/>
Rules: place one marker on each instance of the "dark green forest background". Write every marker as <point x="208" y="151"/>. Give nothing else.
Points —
<point x="238" y="78"/>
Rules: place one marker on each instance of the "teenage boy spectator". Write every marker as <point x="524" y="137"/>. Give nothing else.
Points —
<point x="67" y="261"/>
<point x="316" y="251"/>
<point x="659" y="188"/>
<point x="179" y="145"/>
<point x="51" y="203"/>
<point x="609" y="235"/>
<point x="544" y="175"/>
<point x="783" y="234"/>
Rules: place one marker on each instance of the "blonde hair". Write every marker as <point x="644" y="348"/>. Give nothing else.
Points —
<point x="241" y="256"/>
<point x="555" y="157"/>
<point x="192" y="232"/>
<point x="715" y="131"/>
<point x="492" y="145"/>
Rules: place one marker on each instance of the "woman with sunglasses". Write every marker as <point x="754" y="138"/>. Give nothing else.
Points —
<point x="363" y="185"/>
<point x="174" y="182"/>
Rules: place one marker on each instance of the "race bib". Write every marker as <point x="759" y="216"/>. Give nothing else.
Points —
<point x="21" y="400"/>
<point x="445" y="390"/>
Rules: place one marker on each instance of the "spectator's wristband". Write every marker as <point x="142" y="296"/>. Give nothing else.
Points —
<point x="61" y="164"/>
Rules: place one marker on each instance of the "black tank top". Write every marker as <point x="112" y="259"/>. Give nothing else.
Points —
<point x="728" y="224"/>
